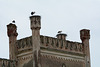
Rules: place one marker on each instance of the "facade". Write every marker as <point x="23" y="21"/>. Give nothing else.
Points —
<point x="44" y="51"/>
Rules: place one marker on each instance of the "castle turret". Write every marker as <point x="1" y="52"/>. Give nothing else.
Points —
<point x="35" y="27"/>
<point x="85" y="36"/>
<point x="12" y="34"/>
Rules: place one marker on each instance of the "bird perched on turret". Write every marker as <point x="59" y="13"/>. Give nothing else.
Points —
<point x="32" y="13"/>
<point x="59" y="31"/>
<point x="13" y="21"/>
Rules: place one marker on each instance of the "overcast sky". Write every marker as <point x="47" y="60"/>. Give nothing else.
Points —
<point x="70" y="16"/>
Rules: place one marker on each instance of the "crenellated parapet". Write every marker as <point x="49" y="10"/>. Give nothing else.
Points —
<point x="50" y="42"/>
<point x="7" y="63"/>
<point x="25" y="44"/>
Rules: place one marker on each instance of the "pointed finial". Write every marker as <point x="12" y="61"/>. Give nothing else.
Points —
<point x="32" y="13"/>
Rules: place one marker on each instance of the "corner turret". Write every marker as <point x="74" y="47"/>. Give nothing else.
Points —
<point x="85" y="36"/>
<point x="12" y="34"/>
<point x="35" y="21"/>
<point x="11" y="30"/>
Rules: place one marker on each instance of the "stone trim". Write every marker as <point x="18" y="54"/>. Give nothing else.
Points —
<point x="62" y="58"/>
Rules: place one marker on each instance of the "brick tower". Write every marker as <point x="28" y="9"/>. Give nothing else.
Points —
<point x="12" y="34"/>
<point x="35" y="27"/>
<point x="85" y="36"/>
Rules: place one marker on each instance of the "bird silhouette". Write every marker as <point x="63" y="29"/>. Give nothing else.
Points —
<point x="59" y="31"/>
<point x="13" y="21"/>
<point x="32" y="13"/>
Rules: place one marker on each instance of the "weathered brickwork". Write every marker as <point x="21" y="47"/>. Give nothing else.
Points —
<point x="45" y="51"/>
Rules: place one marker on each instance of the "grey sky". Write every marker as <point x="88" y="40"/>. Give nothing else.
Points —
<point x="70" y="16"/>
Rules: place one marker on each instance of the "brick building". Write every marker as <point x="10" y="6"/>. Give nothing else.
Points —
<point x="44" y="51"/>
